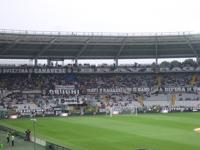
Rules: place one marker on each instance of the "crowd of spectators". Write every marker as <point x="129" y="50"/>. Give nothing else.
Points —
<point x="14" y="86"/>
<point x="45" y="82"/>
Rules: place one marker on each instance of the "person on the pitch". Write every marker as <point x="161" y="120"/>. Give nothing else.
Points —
<point x="12" y="140"/>
<point x="8" y="137"/>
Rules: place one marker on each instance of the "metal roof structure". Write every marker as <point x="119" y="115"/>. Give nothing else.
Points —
<point x="20" y="44"/>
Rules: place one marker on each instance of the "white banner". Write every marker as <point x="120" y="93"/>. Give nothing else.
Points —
<point x="65" y="87"/>
<point x="63" y="91"/>
<point x="143" y="89"/>
<point x="32" y="70"/>
<point x="32" y="92"/>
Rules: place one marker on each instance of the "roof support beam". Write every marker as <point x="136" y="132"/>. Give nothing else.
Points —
<point x="121" y="48"/>
<point x="116" y="62"/>
<point x="36" y="62"/>
<point x="156" y="49"/>
<point x="48" y="62"/>
<point x="9" y="47"/>
<point x="46" y="47"/>
<point x="83" y="48"/>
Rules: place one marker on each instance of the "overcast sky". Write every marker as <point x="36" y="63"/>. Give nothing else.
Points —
<point x="101" y="15"/>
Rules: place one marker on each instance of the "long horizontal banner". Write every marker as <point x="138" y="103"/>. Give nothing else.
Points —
<point x="87" y="70"/>
<point x="71" y="91"/>
<point x="143" y="89"/>
<point x="123" y="90"/>
<point x="33" y="70"/>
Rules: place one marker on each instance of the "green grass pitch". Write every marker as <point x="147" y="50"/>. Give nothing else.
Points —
<point x="173" y="131"/>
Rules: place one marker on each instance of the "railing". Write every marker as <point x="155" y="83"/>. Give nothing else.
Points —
<point x="52" y="146"/>
<point x="17" y="133"/>
<point x="64" y="33"/>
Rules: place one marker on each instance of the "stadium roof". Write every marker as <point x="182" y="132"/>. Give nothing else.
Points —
<point x="81" y="45"/>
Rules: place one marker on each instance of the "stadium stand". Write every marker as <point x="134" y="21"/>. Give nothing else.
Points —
<point x="29" y="90"/>
<point x="51" y="89"/>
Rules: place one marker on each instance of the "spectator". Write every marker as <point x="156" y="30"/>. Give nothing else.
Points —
<point x="8" y="137"/>
<point x="12" y="140"/>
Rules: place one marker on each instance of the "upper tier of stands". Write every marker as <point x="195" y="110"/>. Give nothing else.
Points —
<point x="188" y="65"/>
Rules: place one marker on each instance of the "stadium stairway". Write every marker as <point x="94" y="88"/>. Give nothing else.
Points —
<point x="194" y="80"/>
<point x="173" y="99"/>
<point x="140" y="100"/>
<point x="158" y="80"/>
